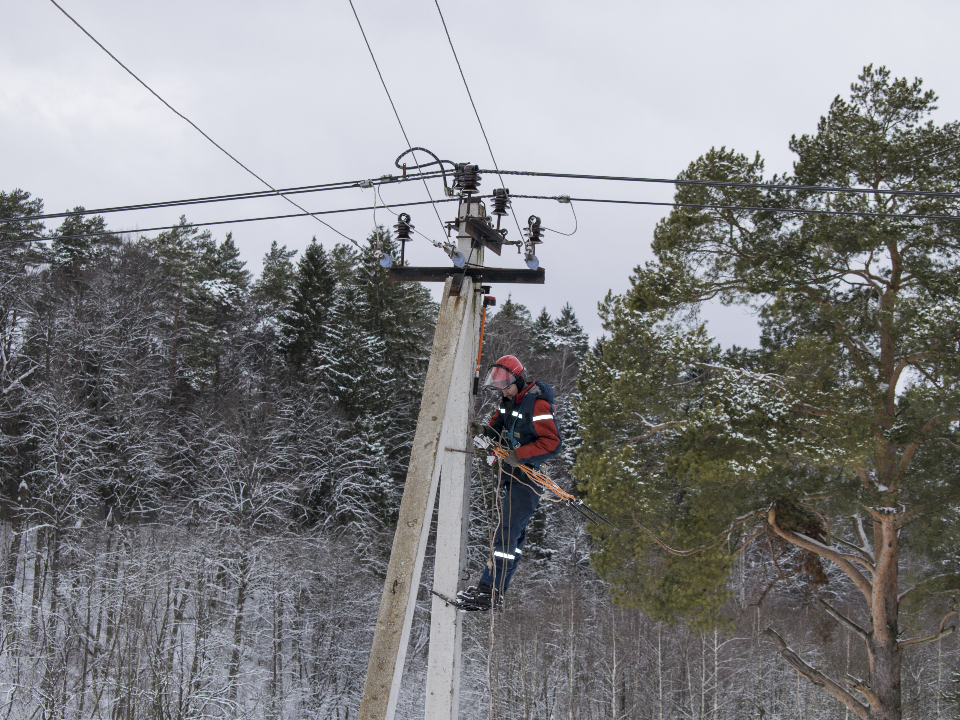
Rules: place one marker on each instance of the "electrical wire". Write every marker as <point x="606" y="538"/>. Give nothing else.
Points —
<point x="257" y="194"/>
<point x="475" y="111"/>
<point x="563" y="198"/>
<point x="753" y="208"/>
<point x="436" y="161"/>
<point x="115" y="233"/>
<point x="390" y="179"/>
<point x="576" y="223"/>
<point x="396" y="114"/>
<point x="195" y="127"/>
<point x="725" y="183"/>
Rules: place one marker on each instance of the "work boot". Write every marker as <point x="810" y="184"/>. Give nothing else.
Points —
<point x="479" y="597"/>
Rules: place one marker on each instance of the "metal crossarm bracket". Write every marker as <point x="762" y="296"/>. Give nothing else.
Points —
<point x="486" y="274"/>
<point x="483" y="233"/>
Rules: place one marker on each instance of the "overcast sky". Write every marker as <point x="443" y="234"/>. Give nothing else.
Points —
<point x="618" y="88"/>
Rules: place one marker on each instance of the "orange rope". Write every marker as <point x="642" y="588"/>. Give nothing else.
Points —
<point x="539" y="478"/>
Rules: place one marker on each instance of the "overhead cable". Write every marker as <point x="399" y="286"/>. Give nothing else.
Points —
<point x="195" y="127"/>
<point x="558" y="198"/>
<point x="395" y="113"/>
<point x="345" y="185"/>
<point x="576" y="223"/>
<point x="436" y="161"/>
<point x="115" y="233"/>
<point x="752" y="208"/>
<point x="725" y="183"/>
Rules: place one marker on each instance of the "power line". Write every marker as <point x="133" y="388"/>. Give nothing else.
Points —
<point x="753" y="208"/>
<point x="194" y="126"/>
<point x="344" y="185"/>
<point x="576" y="223"/>
<point x="724" y="183"/>
<point x="396" y="114"/>
<point x="475" y="112"/>
<point x="106" y="233"/>
<point x="559" y="198"/>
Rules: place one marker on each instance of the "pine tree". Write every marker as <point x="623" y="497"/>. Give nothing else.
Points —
<point x="73" y="254"/>
<point x="542" y="334"/>
<point x="276" y="281"/>
<point x="570" y="334"/>
<point x="185" y="255"/>
<point x="515" y="313"/>
<point x="373" y="362"/>
<point x="213" y="306"/>
<point x="370" y="364"/>
<point x="304" y="323"/>
<point x="510" y="333"/>
<point x="837" y="441"/>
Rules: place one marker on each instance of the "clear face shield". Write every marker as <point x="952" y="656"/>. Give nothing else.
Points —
<point x="498" y="378"/>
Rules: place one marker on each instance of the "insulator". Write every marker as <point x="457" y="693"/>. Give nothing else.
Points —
<point x="534" y="231"/>
<point x="403" y="227"/>
<point x="501" y="201"/>
<point x="466" y="178"/>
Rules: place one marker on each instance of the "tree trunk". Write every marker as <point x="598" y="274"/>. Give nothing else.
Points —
<point x="234" y="667"/>
<point x="173" y="342"/>
<point x="883" y="649"/>
<point x="10" y="575"/>
<point x="39" y="581"/>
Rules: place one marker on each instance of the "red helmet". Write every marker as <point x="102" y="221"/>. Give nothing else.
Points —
<point x="503" y="372"/>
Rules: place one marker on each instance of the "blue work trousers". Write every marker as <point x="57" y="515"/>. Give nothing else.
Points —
<point x="519" y="504"/>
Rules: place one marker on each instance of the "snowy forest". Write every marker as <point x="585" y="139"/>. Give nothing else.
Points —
<point x="201" y="469"/>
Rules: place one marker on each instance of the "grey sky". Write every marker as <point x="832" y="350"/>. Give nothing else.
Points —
<point x="628" y="88"/>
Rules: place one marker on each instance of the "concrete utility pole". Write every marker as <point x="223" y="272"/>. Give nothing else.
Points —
<point x="438" y="450"/>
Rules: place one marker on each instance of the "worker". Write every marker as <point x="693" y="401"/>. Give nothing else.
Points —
<point x="524" y="423"/>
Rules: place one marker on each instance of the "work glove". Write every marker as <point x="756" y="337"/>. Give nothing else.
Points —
<point x="476" y="428"/>
<point x="512" y="460"/>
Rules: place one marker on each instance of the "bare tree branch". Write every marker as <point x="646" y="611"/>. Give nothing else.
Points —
<point x="942" y="632"/>
<point x="844" y="562"/>
<point x="818" y="678"/>
<point x="843" y="619"/>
